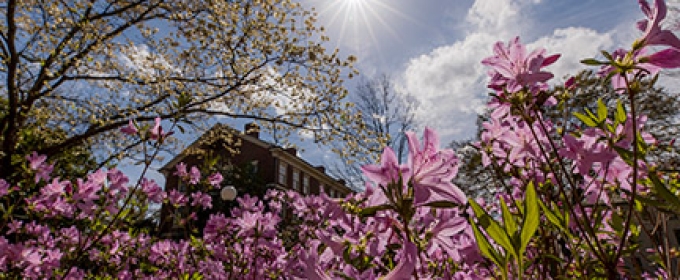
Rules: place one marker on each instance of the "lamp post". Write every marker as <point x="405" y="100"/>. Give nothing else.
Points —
<point x="228" y="193"/>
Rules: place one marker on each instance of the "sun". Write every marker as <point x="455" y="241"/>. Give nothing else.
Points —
<point x="354" y="2"/>
<point x="359" y="24"/>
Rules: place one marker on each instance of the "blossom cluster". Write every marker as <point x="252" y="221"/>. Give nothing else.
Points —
<point x="569" y="199"/>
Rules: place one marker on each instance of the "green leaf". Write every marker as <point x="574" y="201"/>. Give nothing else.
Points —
<point x="585" y="119"/>
<point x="485" y="247"/>
<point x="601" y="111"/>
<point x="626" y="155"/>
<point x="442" y="204"/>
<point x="620" y="115"/>
<point x="607" y="55"/>
<point x="664" y="193"/>
<point x="592" y="62"/>
<point x="531" y="216"/>
<point x="552" y="217"/>
<point x="641" y="145"/>
<point x="616" y="222"/>
<point x="652" y="82"/>
<point x="493" y="228"/>
<point x="508" y="219"/>
<point x="370" y="211"/>
<point x="591" y="115"/>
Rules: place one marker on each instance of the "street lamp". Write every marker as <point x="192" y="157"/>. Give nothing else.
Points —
<point x="228" y="193"/>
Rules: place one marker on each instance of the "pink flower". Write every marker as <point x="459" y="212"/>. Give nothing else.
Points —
<point x="4" y="188"/>
<point x="388" y="171"/>
<point x="215" y="180"/>
<point x="129" y="129"/>
<point x="152" y="190"/>
<point x="181" y="170"/>
<point x="653" y="34"/>
<point x="194" y="175"/>
<point x="514" y="69"/>
<point x="37" y="163"/>
<point x="668" y="58"/>
<point x="570" y="83"/>
<point x="433" y="170"/>
<point x="204" y="200"/>
<point x="448" y="226"/>
<point x="177" y="198"/>
<point x="310" y="262"/>
<point x="619" y="79"/>
<point x="407" y="263"/>
<point x="586" y="151"/>
<point x="157" y="133"/>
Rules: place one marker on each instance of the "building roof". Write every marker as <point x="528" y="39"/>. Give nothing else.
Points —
<point x="251" y="134"/>
<point x="224" y="130"/>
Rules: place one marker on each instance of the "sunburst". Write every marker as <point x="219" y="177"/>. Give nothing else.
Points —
<point x="360" y="23"/>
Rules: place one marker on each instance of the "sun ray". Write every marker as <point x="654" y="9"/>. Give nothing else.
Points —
<point x="361" y="25"/>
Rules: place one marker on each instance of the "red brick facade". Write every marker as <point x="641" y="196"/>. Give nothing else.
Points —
<point x="274" y="166"/>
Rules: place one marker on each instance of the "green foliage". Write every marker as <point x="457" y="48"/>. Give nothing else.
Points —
<point x="514" y="241"/>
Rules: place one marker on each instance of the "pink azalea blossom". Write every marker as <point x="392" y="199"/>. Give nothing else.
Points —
<point x="177" y="198"/>
<point x="668" y="58"/>
<point x="215" y="180"/>
<point x="40" y="166"/>
<point x="618" y="80"/>
<point x="129" y="129"/>
<point x="157" y="133"/>
<point x="388" y="171"/>
<point x="202" y="199"/>
<point x="406" y="265"/>
<point x="4" y="188"/>
<point x="586" y="150"/>
<point x="433" y="169"/>
<point x="36" y="161"/>
<point x="181" y="170"/>
<point x="653" y="34"/>
<point x="513" y="69"/>
<point x="153" y="192"/>
<point x="194" y="175"/>
<point x="571" y="83"/>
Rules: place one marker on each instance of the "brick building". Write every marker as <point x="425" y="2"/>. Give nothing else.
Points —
<point x="236" y="155"/>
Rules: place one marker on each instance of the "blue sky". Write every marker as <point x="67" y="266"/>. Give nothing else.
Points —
<point x="433" y="48"/>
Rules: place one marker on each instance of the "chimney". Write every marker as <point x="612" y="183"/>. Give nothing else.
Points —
<point x="252" y="129"/>
<point x="292" y="151"/>
<point x="321" y="168"/>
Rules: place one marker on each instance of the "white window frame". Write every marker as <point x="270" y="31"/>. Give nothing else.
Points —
<point x="305" y="184"/>
<point x="296" y="180"/>
<point x="283" y="170"/>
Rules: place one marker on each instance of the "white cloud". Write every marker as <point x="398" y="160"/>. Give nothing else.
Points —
<point x="272" y="92"/>
<point x="574" y="44"/>
<point x="494" y="15"/>
<point x="449" y="82"/>
<point x="142" y="60"/>
<point x="446" y="81"/>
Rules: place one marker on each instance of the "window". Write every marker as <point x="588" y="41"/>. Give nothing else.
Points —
<point x="296" y="180"/>
<point x="181" y="187"/>
<point x="305" y="184"/>
<point x="282" y="173"/>
<point x="321" y="189"/>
